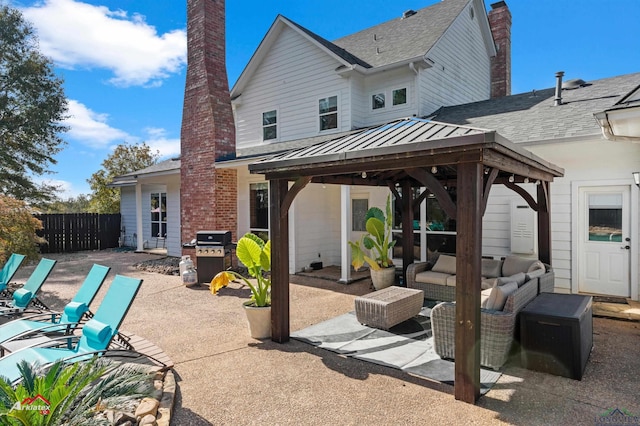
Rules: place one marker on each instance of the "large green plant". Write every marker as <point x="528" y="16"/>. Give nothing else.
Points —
<point x="255" y="254"/>
<point x="373" y="248"/>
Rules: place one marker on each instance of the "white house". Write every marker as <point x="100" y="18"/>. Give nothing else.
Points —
<point x="438" y="62"/>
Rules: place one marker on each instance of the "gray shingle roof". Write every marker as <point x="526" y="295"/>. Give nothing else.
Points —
<point x="529" y="117"/>
<point x="163" y="166"/>
<point x="399" y="39"/>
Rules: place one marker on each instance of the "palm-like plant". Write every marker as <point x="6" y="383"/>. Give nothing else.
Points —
<point x="255" y="254"/>
<point x="378" y="241"/>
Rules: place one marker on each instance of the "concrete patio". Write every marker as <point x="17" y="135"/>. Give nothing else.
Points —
<point x="225" y="377"/>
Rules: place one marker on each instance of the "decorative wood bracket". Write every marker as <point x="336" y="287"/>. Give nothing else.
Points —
<point x="524" y="194"/>
<point x="488" y="182"/>
<point x="298" y="186"/>
<point x="433" y="185"/>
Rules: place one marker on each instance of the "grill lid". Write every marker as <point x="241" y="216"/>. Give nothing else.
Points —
<point x="219" y="238"/>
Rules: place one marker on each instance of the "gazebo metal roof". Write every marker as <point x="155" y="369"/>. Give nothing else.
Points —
<point x="415" y="153"/>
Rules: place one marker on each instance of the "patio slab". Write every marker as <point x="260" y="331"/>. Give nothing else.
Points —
<point x="221" y="372"/>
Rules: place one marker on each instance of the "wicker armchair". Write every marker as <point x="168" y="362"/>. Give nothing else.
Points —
<point x="496" y="327"/>
<point x="431" y="291"/>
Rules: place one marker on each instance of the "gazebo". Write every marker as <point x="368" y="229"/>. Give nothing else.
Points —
<point x="402" y="154"/>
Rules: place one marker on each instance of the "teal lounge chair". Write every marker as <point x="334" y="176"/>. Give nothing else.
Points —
<point x="58" y="322"/>
<point x="8" y="271"/>
<point x="27" y="295"/>
<point x="96" y="336"/>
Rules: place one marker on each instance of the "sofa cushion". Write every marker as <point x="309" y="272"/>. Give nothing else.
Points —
<point x="535" y="274"/>
<point x="514" y="264"/>
<point x="491" y="268"/>
<point x="488" y="283"/>
<point x="431" y="277"/>
<point x="484" y="296"/>
<point x="445" y="264"/>
<point x="518" y="278"/>
<point x="535" y="266"/>
<point x="451" y="281"/>
<point x="498" y="296"/>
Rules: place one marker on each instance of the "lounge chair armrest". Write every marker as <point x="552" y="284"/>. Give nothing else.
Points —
<point x="414" y="269"/>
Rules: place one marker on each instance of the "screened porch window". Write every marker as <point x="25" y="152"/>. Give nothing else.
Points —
<point x="259" y="209"/>
<point x="158" y="215"/>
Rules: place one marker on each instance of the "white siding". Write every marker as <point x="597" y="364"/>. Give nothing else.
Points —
<point x="174" y="244"/>
<point x="128" y="214"/>
<point x="385" y="83"/>
<point x="293" y="76"/>
<point x="461" y="72"/>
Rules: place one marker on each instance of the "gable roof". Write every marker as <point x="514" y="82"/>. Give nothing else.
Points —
<point x="166" y="167"/>
<point x="397" y="40"/>
<point x="532" y="117"/>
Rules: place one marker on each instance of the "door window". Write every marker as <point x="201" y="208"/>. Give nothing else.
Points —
<point x="605" y="217"/>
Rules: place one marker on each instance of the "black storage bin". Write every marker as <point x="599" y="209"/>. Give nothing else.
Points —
<point x="556" y="334"/>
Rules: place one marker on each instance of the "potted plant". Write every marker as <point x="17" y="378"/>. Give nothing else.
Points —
<point x="374" y="247"/>
<point x="255" y="254"/>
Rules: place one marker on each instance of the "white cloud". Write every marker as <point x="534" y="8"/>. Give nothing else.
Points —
<point x="76" y="34"/>
<point x="91" y="128"/>
<point x="157" y="140"/>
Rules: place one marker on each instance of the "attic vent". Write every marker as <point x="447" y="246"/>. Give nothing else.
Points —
<point x="576" y="83"/>
<point x="408" y="13"/>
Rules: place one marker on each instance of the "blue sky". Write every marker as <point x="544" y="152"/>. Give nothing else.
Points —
<point x="124" y="62"/>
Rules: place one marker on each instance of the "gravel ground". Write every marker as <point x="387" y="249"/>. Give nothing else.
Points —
<point x="227" y="378"/>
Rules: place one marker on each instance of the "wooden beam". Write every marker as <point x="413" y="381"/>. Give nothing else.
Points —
<point x="433" y="185"/>
<point x="524" y="194"/>
<point x="488" y="182"/>
<point x="407" y="228"/>
<point x="468" y="270"/>
<point x="544" y="222"/>
<point x="293" y="191"/>
<point x="279" y="228"/>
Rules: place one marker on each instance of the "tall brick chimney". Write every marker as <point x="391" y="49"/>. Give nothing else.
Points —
<point x="207" y="195"/>
<point x="500" y="22"/>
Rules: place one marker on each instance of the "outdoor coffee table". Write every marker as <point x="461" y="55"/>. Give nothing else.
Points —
<point x="388" y="307"/>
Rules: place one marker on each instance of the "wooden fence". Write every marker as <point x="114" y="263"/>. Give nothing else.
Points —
<point x="72" y="232"/>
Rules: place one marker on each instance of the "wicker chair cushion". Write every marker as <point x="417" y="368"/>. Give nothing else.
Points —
<point x="451" y="281"/>
<point x="514" y="264"/>
<point x="445" y="264"/>
<point x="519" y="278"/>
<point x="499" y="294"/>
<point x="491" y="268"/>
<point x="488" y="283"/>
<point x="431" y="277"/>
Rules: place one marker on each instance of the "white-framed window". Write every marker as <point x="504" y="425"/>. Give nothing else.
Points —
<point x="399" y="96"/>
<point x="359" y="208"/>
<point x="158" y="214"/>
<point x="328" y="113"/>
<point x="259" y="209"/>
<point x="377" y="101"/>
<point x="270" y="125"/>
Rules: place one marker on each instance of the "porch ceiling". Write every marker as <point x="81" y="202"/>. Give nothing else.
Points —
<point x="386" y="154"/>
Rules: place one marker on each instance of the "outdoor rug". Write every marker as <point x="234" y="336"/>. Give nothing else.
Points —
<point x="407" y="346"/>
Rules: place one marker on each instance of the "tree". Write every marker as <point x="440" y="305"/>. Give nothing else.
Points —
<point x="79" y="204"/>
<point x="125" y="159"/>
<point x="18" y="229"/>
<point x="32" y="108"/>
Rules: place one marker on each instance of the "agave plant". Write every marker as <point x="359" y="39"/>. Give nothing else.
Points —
<point x="373" y="248"/>
<point x="255" y="254"/>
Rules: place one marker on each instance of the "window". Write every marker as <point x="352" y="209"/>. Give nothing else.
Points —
<point x="377" y="101"/>
<point x="605" y="217"/>
<point x="158" y="214"/>
<point x="259" y="209"/>
<point x="399" y="96"/>
<point x="269" y="125"/>
<point x="359" y="207"/>
<point x="328" y="110"/>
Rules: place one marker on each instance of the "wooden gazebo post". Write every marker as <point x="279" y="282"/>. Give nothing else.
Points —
<point x="468" y="271"/>
<point x="279" y="222"/>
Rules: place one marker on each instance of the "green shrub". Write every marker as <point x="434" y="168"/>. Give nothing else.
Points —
<point x="18" y="229"/>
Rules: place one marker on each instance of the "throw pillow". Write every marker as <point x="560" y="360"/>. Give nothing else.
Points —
<point x="535" y="274"/>
<point x="445" y="264"/>
<point x="514" y="264"/>
<point x="488" y="283"/>
<point x="536" y="266"/>
<point x="518" y="278"/>
<point x="491" y="268"/>
<point x="499" y="294"/>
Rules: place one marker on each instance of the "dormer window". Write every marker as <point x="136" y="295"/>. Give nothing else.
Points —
<point x="269" y="125"/>
<point x="328" y="110"/>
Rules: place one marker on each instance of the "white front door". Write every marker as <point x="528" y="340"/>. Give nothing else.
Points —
<point x="604" y="245"/>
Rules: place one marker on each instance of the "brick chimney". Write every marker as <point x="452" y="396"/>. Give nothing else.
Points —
<point x="500" y="22"/>
<point x="207" y="195"/>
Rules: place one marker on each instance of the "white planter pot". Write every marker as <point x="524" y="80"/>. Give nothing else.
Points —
<point x="259" y="319"/>
<point x="383" y="278"/>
